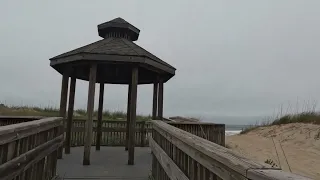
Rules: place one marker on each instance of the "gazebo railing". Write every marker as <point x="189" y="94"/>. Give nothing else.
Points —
<point x="28" y="150"/>
<point x="113" y="133"/>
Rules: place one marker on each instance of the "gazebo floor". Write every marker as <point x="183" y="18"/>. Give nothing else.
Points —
<point x="108" y="163"/>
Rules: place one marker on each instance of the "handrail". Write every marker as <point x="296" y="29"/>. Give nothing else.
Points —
<point x="29" y="149"/>
<point x="209" y="131"/>
<point x="196" y="158"/>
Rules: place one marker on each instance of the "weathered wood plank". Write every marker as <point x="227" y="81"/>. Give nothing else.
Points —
<point x="90" y="108"/>
<point x="155" y="100"/>
<point x="22" y="168"/>
<point x="160" y="99"/>
<point x="128" y="116"/>
<point x="171" y="169"/>
<point x="108" y="129"/>
<point x="133" y="109"/>
<point x="99" y="123"/>
<point x="213" y="165"/>
<point x="209" y="160"/>
<point x="14" y="132"/>
<point x="63" y="105"/>
<point x="70" y="114"/>
<point x="218" y="153"/>
<point x="21" y="160"/>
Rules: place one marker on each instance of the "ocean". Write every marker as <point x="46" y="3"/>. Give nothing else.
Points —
<point x="234" y="129"/>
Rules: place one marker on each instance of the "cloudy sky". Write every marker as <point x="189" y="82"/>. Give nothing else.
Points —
<point x="233" y="58"/>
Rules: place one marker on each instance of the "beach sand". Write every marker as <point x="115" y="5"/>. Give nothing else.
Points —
<point x="300" y="144"/>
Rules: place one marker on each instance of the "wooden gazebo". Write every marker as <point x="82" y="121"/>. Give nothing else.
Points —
<point x="115" y="59"/>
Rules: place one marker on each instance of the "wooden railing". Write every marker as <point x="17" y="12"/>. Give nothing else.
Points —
<point x="113" y="133"/>
<point x="29" y="150"/>
<point x="209" y="131"/>
<point x="180" y="155"/>
<point x="7" y="120"/>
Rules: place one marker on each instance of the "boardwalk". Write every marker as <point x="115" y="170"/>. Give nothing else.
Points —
<point x="109" y="163"/>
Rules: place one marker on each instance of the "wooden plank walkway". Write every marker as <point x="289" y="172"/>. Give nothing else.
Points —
<point x="108" y="163"/>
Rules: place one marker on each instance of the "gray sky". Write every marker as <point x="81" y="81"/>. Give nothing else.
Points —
<point x="233" y="58"/>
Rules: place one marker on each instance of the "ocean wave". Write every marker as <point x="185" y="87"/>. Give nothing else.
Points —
<point x="234" y="132"/>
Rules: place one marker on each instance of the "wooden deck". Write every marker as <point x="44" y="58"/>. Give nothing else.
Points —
<point x="108" y="163"/>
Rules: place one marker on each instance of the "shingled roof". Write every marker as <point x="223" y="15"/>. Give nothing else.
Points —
<point x="113" y="46"/>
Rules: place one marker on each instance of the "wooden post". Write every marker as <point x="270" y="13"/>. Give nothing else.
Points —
<point x="160" y="100"/>
<point x="143" y="133"/>
<point x="155" y="100"/>
<point x="128" y="116"/>
<point x="89" y="122"/>
<point x="132" y="123"/>
<point x="100" y="109"/>
<point x="70" y="114"/>
<point x="63" y="107"/>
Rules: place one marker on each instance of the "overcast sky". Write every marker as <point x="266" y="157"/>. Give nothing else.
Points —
<point x="233" y="58"/>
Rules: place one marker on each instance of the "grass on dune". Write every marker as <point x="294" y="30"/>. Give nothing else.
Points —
<point x="50" y="112"/>
<point x="304" y="117"/>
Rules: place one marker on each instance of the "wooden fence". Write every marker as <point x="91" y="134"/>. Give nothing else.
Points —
<point x="28" y="150"/>
<point x="113" y="133"/>
<point x="209" y="131"/>
<point x="180" y="155"/>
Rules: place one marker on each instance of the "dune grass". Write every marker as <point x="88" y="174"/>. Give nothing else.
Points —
<point x="298" y="114"/>
<point x="304" y="117"/>
<point x="6" y="110"/>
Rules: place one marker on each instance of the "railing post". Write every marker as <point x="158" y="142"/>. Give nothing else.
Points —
<point x="143" y="133"/>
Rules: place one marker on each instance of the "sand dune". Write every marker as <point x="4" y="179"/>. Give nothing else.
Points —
<point x="300" y="144"/>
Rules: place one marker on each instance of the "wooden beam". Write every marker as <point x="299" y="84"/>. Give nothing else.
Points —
<point x="70" y="114"/>
<point x="132" y="124"/>
<point x="63" y="106"/>
<point x="100" y="110"/>
<point x="155" y="100"/>
<point x="128" y="116"/>
<point x="89" y="122"/>
<point x="160" y="100"/>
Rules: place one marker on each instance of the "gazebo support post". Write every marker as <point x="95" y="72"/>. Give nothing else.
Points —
<point x="132" y="124"/>
<point x="63" y="106"/>
<point x="89" y="122"/>
<point x="155" y="100"/>
<point x="160" y="100"/>
<point x="128" y="116"/>
<point x="100" y="109"/>
<point x="70" y="114"/>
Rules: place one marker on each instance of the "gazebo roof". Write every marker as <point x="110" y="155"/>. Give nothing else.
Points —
<point x="115" y="53"/>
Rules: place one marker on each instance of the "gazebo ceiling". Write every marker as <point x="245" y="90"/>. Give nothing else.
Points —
<point x="115" y="55"/>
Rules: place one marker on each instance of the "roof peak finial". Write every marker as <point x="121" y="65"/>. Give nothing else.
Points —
<point x="118" y="28"/>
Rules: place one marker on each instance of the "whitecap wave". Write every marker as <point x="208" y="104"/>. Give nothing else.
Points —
<point x="234" y="132"/>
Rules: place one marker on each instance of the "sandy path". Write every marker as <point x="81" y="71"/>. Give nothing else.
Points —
<point x="300" y="143"/>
